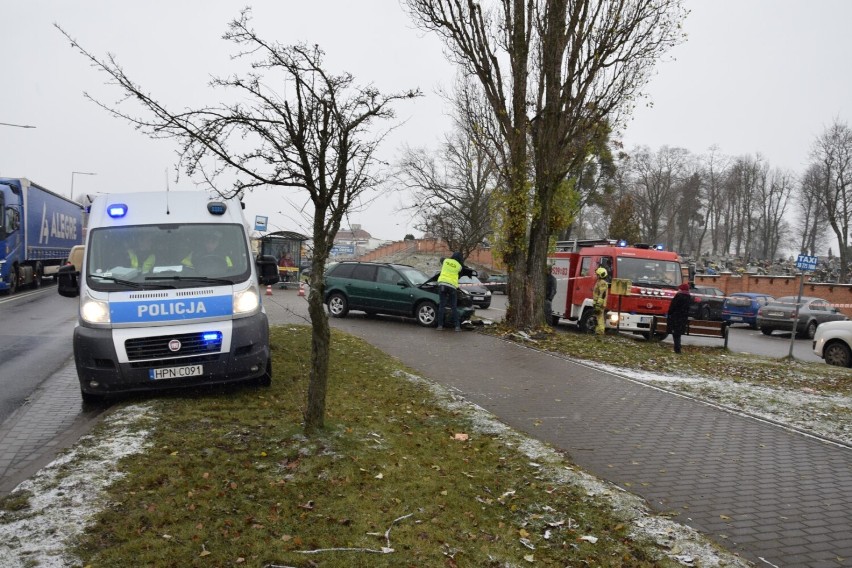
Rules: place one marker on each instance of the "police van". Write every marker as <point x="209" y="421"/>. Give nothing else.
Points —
<point x="169" y="295"/>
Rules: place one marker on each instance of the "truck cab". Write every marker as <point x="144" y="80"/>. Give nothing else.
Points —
<point x="650" y="278"/>
<point x="169" y="295"/>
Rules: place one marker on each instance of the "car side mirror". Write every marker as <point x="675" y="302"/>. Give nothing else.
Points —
<point x="267" y="270"/>
<point x="402" y="284"/>
<point x="68" y="285"/>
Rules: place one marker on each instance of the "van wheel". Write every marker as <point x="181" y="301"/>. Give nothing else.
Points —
<point x="427" y="313"/>
<point x="337" y="305"/>
<point x="554" y="321"/>
<point x="588" y="322"/>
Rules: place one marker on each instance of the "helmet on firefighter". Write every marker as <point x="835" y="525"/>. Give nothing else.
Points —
<point x="601" y="272"/>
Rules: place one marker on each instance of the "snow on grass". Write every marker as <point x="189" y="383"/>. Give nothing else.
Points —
<point x="64" y="495"/>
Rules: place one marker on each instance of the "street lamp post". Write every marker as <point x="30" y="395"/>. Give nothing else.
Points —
<point x="72" y="180"/>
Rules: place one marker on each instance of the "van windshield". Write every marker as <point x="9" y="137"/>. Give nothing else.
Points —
<point x="158" y="256"/>
<point x="648" y="272"/>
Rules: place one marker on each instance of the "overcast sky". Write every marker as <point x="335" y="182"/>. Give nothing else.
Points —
<point x="755" y="76"/>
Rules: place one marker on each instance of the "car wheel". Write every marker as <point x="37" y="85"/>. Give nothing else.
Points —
<point x="427" y="313"/>
<point x="265" y="380"/>
<point x="588" y="322"/>
<point x="704" y="313"/>
<point x="810" y="331"/>
<point x="838" y="353"/>
<point x="753" y="325"/>
<point x="766" y="330"/>
<point x="337" y="305"/>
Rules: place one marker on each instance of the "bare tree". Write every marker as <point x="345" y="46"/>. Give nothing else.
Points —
<point x="812" y="222"/>
<point x="773" y="199"/>
<point x="317" y="140"/>
<point x="832" y="153"/>
<point x="453" y="188"/>
<point x="655" y="179"/>
<point x="715" y="170"/>
<point x="581" y="62"/>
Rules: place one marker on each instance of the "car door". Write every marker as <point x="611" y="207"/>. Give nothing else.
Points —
<point x="392" y="292"/>
<point x="360" y="288"/>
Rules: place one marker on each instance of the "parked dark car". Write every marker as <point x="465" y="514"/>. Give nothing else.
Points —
<point x="498" y="283"/>
<point x="742" y="307"/>
<point x="479" y="293"/>
<point x="706" y="303"/>
<point x="381" y="288"/>
<point x="778" y="315"/>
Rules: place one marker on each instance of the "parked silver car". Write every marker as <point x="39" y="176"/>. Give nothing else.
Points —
<point x="778" y="315"/>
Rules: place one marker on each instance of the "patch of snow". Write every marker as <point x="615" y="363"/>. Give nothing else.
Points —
<point x="66" y="493"/>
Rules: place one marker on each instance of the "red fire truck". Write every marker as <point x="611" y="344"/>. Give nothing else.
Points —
<point x="653" y="276"/>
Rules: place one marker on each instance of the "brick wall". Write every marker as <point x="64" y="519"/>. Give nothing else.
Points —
<point x="839" y="295"/>
<point x="480" y="257"/>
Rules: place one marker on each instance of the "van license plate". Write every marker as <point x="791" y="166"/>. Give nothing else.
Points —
<point x="175" y="372"/>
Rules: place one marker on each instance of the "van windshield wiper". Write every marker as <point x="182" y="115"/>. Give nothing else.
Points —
<point x="191" y="278"/>
<point x="128" y="283"/>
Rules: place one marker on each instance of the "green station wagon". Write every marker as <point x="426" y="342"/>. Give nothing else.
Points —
<point x="395" y="289"/>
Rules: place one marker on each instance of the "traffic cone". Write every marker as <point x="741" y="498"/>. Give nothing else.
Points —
<point x="301" y="288"/>
<point x="269" y="289"/>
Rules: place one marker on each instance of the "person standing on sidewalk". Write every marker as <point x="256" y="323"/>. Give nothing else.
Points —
<point x="448" y="285"/>
<point x="678" y="314"/>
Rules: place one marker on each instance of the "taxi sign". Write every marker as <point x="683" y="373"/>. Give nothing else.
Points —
<point x="805" y="262"/>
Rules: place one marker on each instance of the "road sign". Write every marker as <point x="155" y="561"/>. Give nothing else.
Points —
<point x="805" y="262"/>
<point x="260" y="222"/>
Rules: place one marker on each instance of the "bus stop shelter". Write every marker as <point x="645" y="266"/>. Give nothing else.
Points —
<point x="286" y="247"/>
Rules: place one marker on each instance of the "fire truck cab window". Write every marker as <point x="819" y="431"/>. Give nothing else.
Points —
<point x="585" y="267"/>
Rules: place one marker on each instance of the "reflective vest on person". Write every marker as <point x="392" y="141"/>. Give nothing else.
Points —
<point x="147" y="266"/>
<point x="450" y="271"/>
<point x="187" y="261"/>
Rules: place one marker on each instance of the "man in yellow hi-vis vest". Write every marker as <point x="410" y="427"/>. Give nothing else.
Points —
<point x="211" y="246"/>
<point x="448" y="284"/>
<point x="142" y="257"/>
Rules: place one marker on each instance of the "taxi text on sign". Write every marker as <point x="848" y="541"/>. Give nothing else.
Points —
<point x="805" y="262"/>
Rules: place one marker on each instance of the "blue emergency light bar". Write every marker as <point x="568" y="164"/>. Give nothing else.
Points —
<point x="659" y="247"/>
<point x="117" y="211"/>
<point x="214" y="336"/>
<point x="621" y="243"/>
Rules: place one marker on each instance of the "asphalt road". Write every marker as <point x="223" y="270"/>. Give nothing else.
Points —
<point x="35" y="342"/>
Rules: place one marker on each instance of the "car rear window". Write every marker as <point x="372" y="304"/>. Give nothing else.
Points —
<point x="739" y="301"/>
<point x="342" y="271"/>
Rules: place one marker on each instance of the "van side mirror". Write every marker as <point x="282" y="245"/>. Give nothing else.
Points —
<point x="68" y="286"/>
<point x="267" y="270"/>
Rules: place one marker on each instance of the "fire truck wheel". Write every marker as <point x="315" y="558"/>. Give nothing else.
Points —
<point x="588" y="322"/>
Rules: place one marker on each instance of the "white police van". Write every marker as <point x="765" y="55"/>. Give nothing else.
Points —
<point x="169" y="295"/>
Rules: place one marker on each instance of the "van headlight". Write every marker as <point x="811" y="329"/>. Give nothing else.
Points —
<point x="94" y="311"/>
<point x="246" y="301"/>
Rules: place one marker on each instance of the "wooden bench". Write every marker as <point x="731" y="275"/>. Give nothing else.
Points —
<point x="700" y="328"/>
